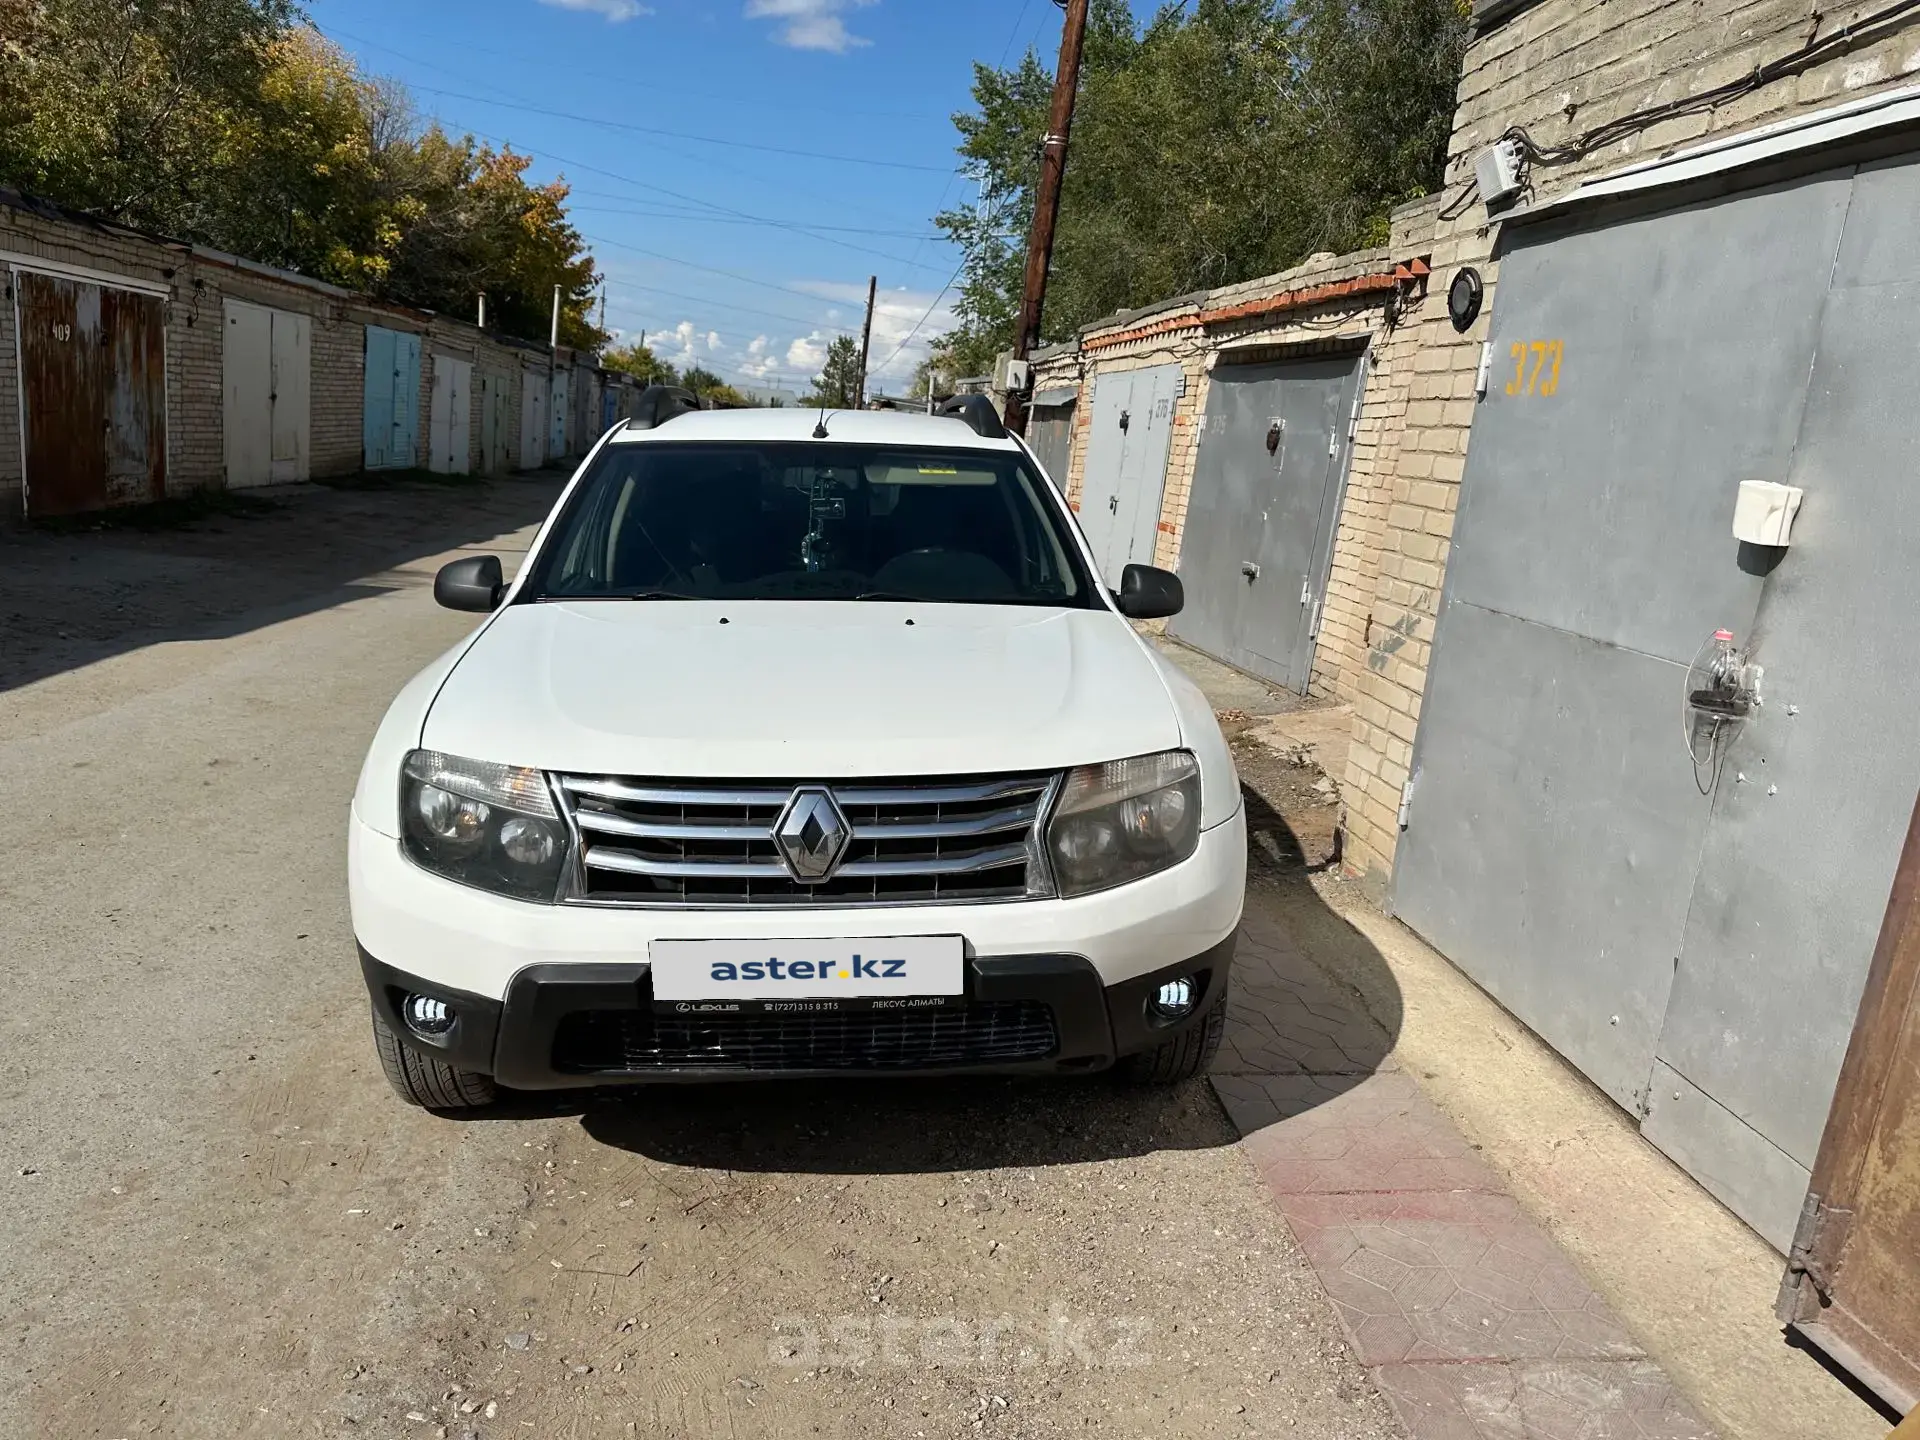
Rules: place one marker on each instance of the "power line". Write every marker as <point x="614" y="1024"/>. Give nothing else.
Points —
<point x="685" y="213"/>
<point x="685" y="135"/>
<point x="924" y="318"/>
<point x="725" y="305"/>
<point x="627" y="79"/>
<point x="690" y="199"/>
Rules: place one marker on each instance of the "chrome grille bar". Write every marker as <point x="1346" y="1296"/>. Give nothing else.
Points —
<point x="671" y="843"/>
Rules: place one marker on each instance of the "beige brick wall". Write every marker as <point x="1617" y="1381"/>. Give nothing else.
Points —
<point x="1558" y="69"/>
<point x="1178" y="333"/>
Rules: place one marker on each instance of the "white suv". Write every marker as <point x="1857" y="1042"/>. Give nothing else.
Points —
<point x="801" y="745"/>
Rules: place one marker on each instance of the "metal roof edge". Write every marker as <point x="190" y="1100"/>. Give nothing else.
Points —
<point x="1887" y="110"/>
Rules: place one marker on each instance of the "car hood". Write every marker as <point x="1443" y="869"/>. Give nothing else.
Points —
<point x="800" y="690"/>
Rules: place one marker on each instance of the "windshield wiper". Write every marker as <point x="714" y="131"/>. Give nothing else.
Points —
<point x="895" y="595"/>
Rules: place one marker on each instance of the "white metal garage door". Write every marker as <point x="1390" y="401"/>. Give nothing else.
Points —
<point x="1697" y="948"/>
<point x="450" y="416"/>
<point x="266" y="370"/>
<point x="1126" y="466"/>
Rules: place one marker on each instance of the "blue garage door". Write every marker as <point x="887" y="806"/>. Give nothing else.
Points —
<point x="391" y="432"/>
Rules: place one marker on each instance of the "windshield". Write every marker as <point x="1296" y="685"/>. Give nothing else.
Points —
<point x="810" y="522"/>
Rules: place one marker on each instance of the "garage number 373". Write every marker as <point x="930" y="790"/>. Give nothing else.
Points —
<point x="1536" y="367"/>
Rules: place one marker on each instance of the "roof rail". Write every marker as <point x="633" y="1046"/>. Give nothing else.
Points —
<point x="660" y="403"/>
<point x="978" y="412"/>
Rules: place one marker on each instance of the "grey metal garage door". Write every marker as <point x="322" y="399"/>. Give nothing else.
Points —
<point x="1698" y="949"/>
<point x="1050" y="432"/>
<point x="1258" y="539"/>
<point x="1126" y="465"/>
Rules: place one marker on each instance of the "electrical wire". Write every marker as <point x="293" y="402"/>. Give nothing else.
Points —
<point x="923" y="319"/>
<point x="520" y="57"/>
<point x="725" y="305"/>
<point x="684" y="135"/>
<point x="1815" y="52"/>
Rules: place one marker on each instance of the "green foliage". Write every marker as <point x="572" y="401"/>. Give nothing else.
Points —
<point x="639" y="361"/>
<point x="230" y="123"/>
<point x="838" y="383"/>
<point x="712" y="389"/>
<point x="1220" y="143"/>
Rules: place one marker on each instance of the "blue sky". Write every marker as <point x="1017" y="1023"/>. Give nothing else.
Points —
<point x="756" y="93"/>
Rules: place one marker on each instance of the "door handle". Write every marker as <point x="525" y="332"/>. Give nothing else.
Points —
<point x="1250" y="570"/>
<point x="1273" y="436"/>
<point x="1113" y="504"/>
<point x="1306" y="588"/>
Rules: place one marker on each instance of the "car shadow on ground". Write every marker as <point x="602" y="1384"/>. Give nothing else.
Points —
<point x="102" y="586"/>
<point x="1313" y="1012"/>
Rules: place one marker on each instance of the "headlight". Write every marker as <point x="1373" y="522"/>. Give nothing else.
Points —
<point x="491" y="826"/>
<point x="1125" y="819"/>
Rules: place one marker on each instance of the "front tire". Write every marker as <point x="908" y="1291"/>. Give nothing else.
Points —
<point x="424" y="1081"/>
<point x="1182" y="1056"/>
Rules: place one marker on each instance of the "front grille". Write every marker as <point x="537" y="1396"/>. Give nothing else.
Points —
<point x="676" y="842"/>
<point x="605" y="1042"/>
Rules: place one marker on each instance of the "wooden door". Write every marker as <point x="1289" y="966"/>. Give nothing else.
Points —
<point x="1853" y="1278"/>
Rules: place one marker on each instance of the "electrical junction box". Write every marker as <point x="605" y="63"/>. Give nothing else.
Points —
<point x="1496" y="171"/>
<point x="1016" y="376"/>
<point x="1763" y="513"/>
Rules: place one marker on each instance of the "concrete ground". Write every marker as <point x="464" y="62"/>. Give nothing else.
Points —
<point x="1690" y="1285"/>
<point x="216" y="1221"/>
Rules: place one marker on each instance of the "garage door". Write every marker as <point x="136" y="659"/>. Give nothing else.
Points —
<point x="392" y="414"/>
<point x="533" y="418"/>
<point x="266" y="368"/>
<point x="1695" y="938"/>
<point x="93" y="394"/>
<point x="1126" y="468"/>
<point x="1050" y="432"/>
<point x="1258" y="539"/>
<point x="450" y="416"/>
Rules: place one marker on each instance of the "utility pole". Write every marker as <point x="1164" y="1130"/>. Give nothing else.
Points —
<point x="1046" y="200"/>
<point x="866" y="335"/>
<point x="603" y="307"/>
<point x="553" y="340"/>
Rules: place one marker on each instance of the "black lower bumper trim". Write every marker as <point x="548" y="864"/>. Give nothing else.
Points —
<point x="563" y="1026"/>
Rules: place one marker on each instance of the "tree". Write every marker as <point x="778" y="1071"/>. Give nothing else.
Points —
<point x="712" y="389"/>
<point x="838" y="383"/>
<point x="640" y="362"/>
<point x="229" y="123"/>
<point x="1215" y="145"/>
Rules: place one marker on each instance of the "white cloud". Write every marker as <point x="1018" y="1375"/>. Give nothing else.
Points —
<point x="811" y="24"/>
<point x="808" y="353"/>
<point x="898" y="346"/>
<point x="614" y="11"/>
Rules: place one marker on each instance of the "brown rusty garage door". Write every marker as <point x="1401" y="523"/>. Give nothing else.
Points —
<point x="1853" y="1280"/>
<point x="93" y="372"/>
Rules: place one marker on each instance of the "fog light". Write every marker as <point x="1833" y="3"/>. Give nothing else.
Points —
<point x="426" y="1016"/>
<point x="1173" y="1000"/>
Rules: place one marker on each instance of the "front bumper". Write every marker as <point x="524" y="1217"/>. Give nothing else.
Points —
<point x="474" y="942"/>
<point x="564" y="1026"/>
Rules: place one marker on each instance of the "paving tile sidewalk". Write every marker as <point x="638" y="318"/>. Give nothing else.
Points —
<point x="1470" y="1319"/>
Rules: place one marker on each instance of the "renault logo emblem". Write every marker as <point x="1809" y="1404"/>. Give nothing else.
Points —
<point x="812" y="836"/>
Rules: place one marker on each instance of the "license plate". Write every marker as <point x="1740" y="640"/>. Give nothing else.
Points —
<point x="922" y="971"/>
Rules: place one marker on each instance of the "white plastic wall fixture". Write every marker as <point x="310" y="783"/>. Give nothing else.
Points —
<point x="1763" y="513"/>
<point x="1496" y="172"/>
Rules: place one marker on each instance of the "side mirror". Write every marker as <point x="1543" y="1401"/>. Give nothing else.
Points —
<point x="473" y="584"/>
<point x="1150" y="594"/>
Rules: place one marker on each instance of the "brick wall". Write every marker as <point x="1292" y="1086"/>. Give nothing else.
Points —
<point x="1277" y="315"/>
<point x="1557" y="68"/>
<point x="199" y="283"/>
